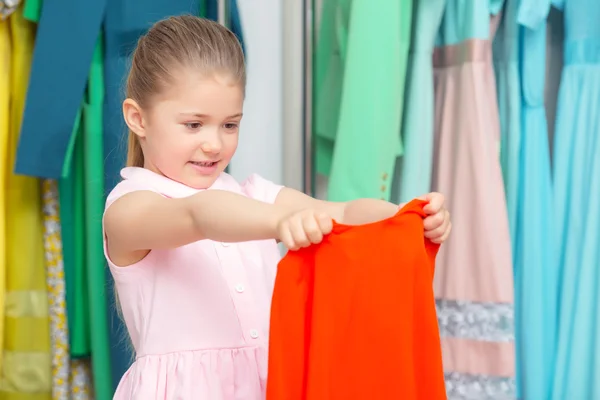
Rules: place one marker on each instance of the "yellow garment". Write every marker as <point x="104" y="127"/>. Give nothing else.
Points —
<point x="4" y="129"/>
<point x="55" y="281"/>
<point x="26" y="369"/>
<point x="81" y="379"/>
<point x="71" y="379"/>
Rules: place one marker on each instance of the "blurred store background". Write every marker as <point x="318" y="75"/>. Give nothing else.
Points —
<point x="494" y="103"/>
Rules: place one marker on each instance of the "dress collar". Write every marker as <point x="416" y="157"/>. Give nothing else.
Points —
<point x="171" y="188"/>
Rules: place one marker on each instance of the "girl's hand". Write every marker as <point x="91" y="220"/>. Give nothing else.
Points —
<point x="303" y="228"/>
<point x="437" y="224"/>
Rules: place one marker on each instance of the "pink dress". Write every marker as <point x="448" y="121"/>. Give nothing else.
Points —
<point x="197" y="315"/>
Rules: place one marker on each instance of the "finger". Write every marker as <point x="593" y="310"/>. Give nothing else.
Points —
<point x="297" y="229"/>
<point x="312" y="229"/>
<point x="436" y="203"/>
<point x="447" y="234"/>
<point x="444" y="236"/>
<point x="285" y="236"/>
<point x="438" y="228"/>
<point x="434" y="221"/>
<point x="325" y="223"/>
<point x="435" y="234"/>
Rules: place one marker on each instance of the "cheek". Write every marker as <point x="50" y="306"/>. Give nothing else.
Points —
<point x="169" y="145"/>
<point x="230" y="143"/>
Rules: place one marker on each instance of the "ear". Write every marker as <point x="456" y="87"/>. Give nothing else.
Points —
<point x="134" y="118"/>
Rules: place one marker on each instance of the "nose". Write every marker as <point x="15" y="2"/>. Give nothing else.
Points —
<point x="211" y="147"/>
<point x="212" y="144"/>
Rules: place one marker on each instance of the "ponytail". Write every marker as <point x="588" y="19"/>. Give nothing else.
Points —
<point x="135" y="156"/>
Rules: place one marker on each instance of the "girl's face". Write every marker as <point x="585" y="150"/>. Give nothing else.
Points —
<point x="190" y="133"/>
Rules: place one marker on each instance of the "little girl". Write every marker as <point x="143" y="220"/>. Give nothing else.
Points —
<point x="194" y="268"/>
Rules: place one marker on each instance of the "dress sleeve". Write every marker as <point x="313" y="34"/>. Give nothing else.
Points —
<point x="532" y="13"/>
<point x="259" y="188"/>
<point x="124" y="187"/>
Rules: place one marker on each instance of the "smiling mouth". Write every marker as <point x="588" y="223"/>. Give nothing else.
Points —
<point x="204" y="163"/>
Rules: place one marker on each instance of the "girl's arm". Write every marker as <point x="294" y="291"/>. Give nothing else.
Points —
<point x="145" y="220"/>
<point x="354" y="212"/>
<point x="437" y="224"/>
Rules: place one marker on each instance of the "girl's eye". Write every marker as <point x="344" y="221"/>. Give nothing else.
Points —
<point x="231" y="126"/>
<point x="193" y="125"/>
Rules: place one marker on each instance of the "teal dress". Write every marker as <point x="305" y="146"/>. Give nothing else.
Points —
<point x="506" y="53"/>
<point x="535" y="266"/>
<point x="360" y="74"/>
<point x="577" y="205"/>
<point x="413" y="171"/>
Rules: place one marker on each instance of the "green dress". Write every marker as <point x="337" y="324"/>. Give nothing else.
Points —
<point x="94" y="209"/>
<point x="361" y="62"/>
<point x="414" y="169"/>
<point x="82" y="187"/>
<point x="81" y="207"/>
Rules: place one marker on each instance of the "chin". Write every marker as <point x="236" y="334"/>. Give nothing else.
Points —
<point x="198" y="178"/>
<point x="201" y="182"/>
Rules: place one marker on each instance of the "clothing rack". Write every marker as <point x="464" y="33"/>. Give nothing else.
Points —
<point x="298" y="39"/>
<point x="224" y="14"/>
<point x="309" y="8"/>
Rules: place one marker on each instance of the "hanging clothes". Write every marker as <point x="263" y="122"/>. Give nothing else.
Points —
<point x="576" y="211"/>
<point x="63" y="69"/>
<point x="80" y="381"/>
<point x="5" y="69"/>
<point x="74" y="261"/>
<point x="72" y="217"/>
<point x="341" y="330"/>
<point x="91" y="167"/>
<point x="71" y="378"/>
<point x="330" y="57"/>
<point x="506" y="53"/>
<point x="7" y="7"/>
<point x="32" y="9"/>
<point x="59" y="332"/>
<point x="27" y="362"/>
<point x="413" y="173"/>
<point x="79" y="193"/>
<point x="210" y="9"/>
<point x="360" y="145"/>
<point x="554" y="65"/>
<point x="474" y="278"/>
<point x="535" y="267"/>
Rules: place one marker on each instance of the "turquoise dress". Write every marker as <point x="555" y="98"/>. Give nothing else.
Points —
<point x="507" y="52"/>
<point x="577" y="204"/>
<point x="535" y="267"/>
<point x="508" y="79"/>
<point x="413" y="171"/>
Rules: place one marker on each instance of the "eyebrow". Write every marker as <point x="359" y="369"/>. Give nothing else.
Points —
<point x="199" y="115"/>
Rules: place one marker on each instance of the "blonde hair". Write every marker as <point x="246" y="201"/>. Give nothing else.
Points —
<point x="186" y="42"/>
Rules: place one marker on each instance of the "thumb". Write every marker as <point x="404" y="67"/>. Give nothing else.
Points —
<point x="425" y="197"/>
<point x="433" y="203"/>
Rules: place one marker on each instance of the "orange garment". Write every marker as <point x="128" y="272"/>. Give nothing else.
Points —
<point x="354" y="318"/>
